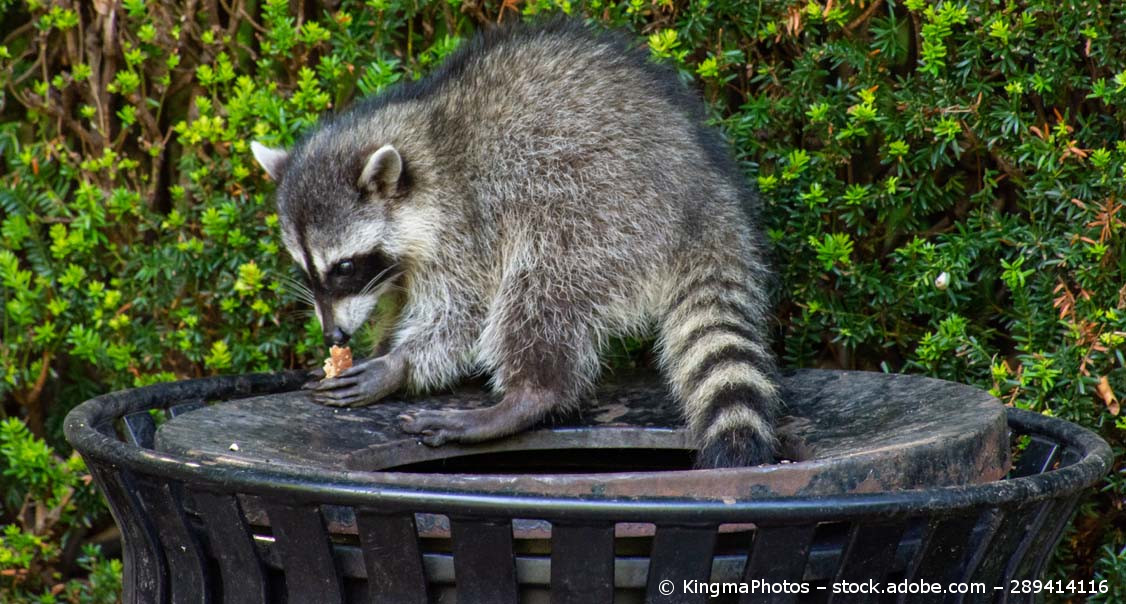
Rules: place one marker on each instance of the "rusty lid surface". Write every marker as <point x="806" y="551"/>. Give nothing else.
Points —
<point x="846" y="432"/>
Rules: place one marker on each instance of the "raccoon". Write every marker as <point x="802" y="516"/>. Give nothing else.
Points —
<point x="545" y="189"/>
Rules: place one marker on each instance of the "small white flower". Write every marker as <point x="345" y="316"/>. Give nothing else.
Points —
<point x="233" y="447"/>
<point x="942" y="281"/>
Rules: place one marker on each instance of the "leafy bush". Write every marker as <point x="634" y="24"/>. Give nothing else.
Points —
<point x="49" y="503"/>
<point x="943" y="185"/>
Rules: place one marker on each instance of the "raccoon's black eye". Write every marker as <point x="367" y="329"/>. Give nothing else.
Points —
<point x="345" y="268"/>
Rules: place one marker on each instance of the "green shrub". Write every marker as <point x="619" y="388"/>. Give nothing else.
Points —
<point x="943" y="185"/>
<point x="49" y="504"/>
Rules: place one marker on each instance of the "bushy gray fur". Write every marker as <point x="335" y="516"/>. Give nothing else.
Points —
<point x="546" y="189"/>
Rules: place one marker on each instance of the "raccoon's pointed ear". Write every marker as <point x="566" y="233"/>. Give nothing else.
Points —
<point x="382" y="172"/>
<point x="273" y="161"/>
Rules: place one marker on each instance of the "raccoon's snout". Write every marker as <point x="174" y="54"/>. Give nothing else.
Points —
<point x="337" y="337"/>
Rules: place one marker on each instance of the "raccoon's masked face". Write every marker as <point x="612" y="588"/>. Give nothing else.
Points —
<point x="337" y="232"/>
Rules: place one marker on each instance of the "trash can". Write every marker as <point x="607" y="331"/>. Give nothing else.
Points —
<point x="241" y="489"/>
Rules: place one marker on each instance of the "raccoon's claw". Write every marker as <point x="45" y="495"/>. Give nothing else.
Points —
<point x="337" y="392"/>
<point x="340" y="393"/>
<point x="315" y="376"/>
<point x="330" y="384"/>
<point x="365" y="383"/>
<point x="363" y="366"/>
<point x="519" y="409"/>
<point x="435" y="428"/>
<point x="343" y="393"/>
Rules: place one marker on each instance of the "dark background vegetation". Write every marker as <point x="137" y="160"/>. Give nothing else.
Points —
<point x="943" y="185"/>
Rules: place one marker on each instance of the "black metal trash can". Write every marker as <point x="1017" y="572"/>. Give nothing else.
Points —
<point x="194" y="532"/>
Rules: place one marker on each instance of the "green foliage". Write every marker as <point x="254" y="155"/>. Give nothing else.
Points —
<point x="943" y="186"/>
<point x="1111" y="567"/>
<point x="48" y="504"/>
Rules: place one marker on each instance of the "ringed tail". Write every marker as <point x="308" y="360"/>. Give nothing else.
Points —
<point x="713" y="345"/>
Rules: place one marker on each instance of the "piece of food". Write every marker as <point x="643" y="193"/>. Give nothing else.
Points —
<point x="339" y="361"/>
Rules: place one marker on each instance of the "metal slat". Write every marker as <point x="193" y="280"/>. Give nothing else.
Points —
<point x="1014" y="528"/>
<point x="144" y="577"/>
<point x="1036" y="458"/>
<point x="979" y="546"/>
<point x="188" y="577"/>
<point x="232" y="545"/>
<point x="680" y="554"/>
<point x="140" y="429"/>
<point x="391" y="557"/>
<point x="301" y="540"/>
<point x="582" y="563"/>
<point x="1031" y="544"/>
<point x="1039" y="561"/>
<point x="778" y="553"/>
<point x="941" y="556"/>
<point x="484" y="568"/>
<point x="868" y="555"/>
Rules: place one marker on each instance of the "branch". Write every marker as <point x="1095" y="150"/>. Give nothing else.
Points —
<point x="864" y="16"/>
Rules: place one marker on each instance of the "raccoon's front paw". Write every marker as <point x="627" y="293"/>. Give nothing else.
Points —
<point x="365" y="383"/>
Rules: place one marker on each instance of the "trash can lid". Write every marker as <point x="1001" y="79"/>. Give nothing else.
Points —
<point x="844" y="432"/>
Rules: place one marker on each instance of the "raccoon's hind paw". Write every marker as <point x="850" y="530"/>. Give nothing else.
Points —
<point x="517" y="411"/>
<point x="737" y="448"/>
<point x="436" y="428"/>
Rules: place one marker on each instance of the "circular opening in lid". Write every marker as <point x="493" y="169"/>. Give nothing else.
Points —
<point x="555" y="461"/>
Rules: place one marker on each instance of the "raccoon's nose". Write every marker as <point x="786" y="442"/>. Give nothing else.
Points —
<point x="337" y="337"/>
